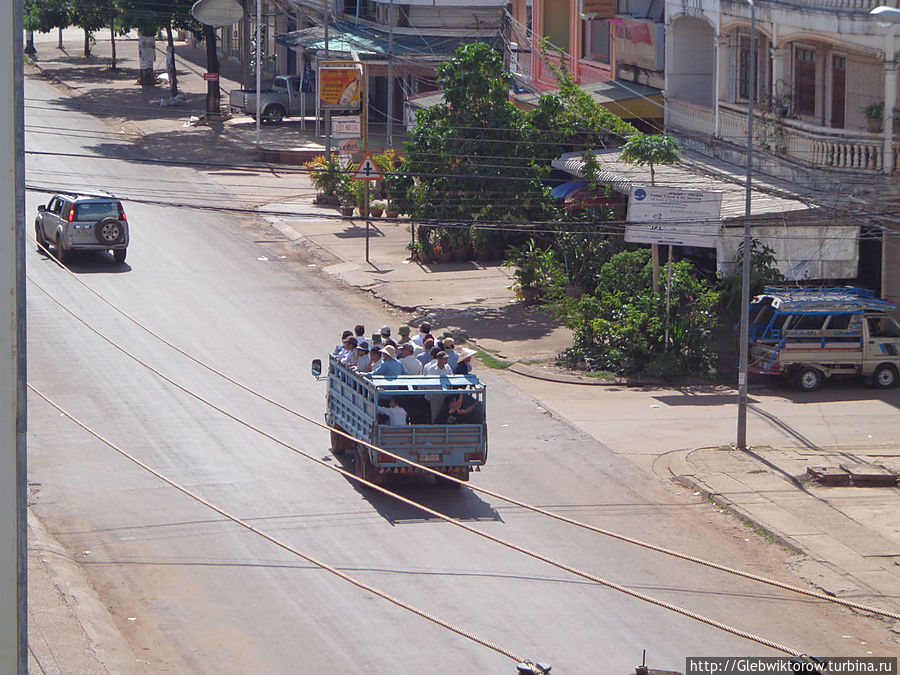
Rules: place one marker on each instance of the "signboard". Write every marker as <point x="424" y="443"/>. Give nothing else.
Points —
<point x="368" y="169"/>
<point x="346" y="127"/>
<point x="339" y="87"/>
<point x="674" y="216"/>
<point x="348" y="145"/>
<point x="598" y="9"/>
<point x="344" y="161"/>
<point x="217" y="12"/>
<point x="211" y="77"/>
<point x="639" y="43"/>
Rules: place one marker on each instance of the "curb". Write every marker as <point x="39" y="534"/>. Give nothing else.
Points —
<point x="565" y="378"/>
<point x="692" y="482"/>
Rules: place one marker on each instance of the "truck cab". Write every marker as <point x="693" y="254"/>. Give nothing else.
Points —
<point x="808" y="335"/>
<point x="433" y="436"/>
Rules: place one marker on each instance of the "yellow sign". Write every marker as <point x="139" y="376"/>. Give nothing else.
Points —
<point x="339" y="87"/>
<point x="599" y="9"/>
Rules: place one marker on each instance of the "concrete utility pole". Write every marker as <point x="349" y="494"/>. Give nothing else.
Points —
<point x="13" y="519"/>
<point x="744" y="347"/>
<point x="389" y="135"/>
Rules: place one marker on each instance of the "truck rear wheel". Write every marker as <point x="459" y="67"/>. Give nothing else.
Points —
<point x="809" y="379"/>
<point x="273" y="114"/>
<point x="340" y="444"/>
<point x="364" y="467"/>
<point x="884" y="377"/>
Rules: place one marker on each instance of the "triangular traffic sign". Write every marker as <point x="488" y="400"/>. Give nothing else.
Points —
<point x="368" y="169"/>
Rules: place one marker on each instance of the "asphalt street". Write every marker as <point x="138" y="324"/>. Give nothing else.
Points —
<point x="186" y="590"/>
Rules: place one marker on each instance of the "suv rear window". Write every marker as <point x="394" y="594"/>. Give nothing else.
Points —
<point x="96" y="210"/>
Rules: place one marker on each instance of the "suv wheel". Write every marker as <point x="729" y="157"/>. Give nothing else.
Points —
<point x="61" y="254"/>
<point x="39" y="238"/>
<point x="109" y="231"/>
<point x="119" y="255"/>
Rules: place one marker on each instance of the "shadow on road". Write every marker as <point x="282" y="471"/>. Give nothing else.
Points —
<point x="458" y="503"/>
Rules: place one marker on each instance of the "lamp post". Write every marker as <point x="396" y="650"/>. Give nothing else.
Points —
<point x="888" y="17"/>
<point x="744" y="348"/>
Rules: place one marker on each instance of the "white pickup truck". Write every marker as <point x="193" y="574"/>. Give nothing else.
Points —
<point x="808" y="334"/>
<point x="283" y="99"/>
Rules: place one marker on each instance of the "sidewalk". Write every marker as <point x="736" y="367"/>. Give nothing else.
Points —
<point x="849" y="536"/>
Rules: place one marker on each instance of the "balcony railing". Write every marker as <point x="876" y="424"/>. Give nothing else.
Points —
<point x="811" y="146"/>
<point x="860" y="6"/>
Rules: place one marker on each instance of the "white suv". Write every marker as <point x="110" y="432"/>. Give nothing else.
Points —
<point x="82" y="224"/>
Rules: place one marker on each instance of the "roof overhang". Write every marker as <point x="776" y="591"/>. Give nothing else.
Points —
<point x="624" y="99"/>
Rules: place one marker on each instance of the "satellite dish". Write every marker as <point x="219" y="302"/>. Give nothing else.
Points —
<point x="217" y="12"/>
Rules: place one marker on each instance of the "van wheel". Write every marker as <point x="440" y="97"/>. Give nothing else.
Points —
<point x="884" y="377"/>
<point x="809" y="379"/>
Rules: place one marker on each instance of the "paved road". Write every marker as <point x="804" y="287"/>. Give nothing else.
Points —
<point x="192" y="592"/>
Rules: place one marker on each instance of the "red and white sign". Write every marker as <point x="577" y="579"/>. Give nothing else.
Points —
<point x="368" y="169"/>
<point x="211" y="77"/>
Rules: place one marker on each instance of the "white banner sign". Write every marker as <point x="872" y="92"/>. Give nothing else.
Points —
<point x="346" y="126"/>
<point x="673" y="216"/>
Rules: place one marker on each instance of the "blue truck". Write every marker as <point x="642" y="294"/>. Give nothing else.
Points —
<point x="454" y="445"/>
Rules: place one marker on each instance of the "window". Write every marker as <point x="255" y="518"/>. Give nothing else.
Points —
<point x="744" y="67"/>
<point x="807" y="322"/>
<point x="805" y="81"/>
<point x="596" y="40"/>
<point x="883" y="327"/>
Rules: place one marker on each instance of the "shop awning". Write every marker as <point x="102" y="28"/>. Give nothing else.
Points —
<point x="370" y="42"/>
<point x="565" y="189"/>
<point x="625" y="99"/>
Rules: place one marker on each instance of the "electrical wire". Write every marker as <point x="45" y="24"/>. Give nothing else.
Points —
<point x="490" y="493"/>
<point x="278" y="542"/>
<point x="453" y="521"/>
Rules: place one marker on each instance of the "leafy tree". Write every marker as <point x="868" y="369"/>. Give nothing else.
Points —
<point x="91" y="16"/>
<point x="468" y="153"/>
<point x="621" y="327"/>
<point x="651" y="149"/>
<point x="45" y="15"/>
<point x="763" y="272"/>
<point x="570" y="119"/>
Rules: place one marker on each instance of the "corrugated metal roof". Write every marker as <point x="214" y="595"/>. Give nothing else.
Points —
<point x="371" y="42"/>
<point x="623" y="176"/>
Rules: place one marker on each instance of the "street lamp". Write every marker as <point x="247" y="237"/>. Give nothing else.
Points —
<point x="744" y="347"/>
<point x="888" y="17"/>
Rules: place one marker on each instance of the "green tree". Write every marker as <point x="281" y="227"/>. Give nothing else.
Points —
<point x="569" y="119"/>
<point x="91" y="16"/>
<point x="622" y="326"/>
<point x="652" y="150"/>
<point x="468" y="153"/>
<point x="763" y="272"/>
<point x="45" y="15"/>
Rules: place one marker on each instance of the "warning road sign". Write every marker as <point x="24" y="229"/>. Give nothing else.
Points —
<point x="368" y="169"/>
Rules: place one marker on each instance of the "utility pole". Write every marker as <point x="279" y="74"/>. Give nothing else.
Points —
<point x="390" y="77"/>
<point x="744" y="347"/>
<point x="325" y="16"/>
<point x="13" y="513"/>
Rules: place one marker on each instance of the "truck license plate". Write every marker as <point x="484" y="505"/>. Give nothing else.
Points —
<point x="430" y="457"/>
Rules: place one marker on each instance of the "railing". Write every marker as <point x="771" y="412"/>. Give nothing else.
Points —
<point x="839" y="149"/>
<point x="845" y="5"/>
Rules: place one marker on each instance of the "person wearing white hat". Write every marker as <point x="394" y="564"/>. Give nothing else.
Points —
<point x="464" y="365"/>
<point x="390" y="366"/>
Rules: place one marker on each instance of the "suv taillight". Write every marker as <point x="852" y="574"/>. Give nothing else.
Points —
<point x="122" y="213"/>
<point x="72" y="214"/>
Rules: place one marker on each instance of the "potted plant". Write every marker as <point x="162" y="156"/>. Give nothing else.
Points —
<point x="346" y="195"/>
<point x="325" y="176"/>
<point x="874" y="113"/>
<point x="376" y="208"/>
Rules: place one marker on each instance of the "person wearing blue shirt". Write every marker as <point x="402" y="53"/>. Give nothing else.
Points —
<point x="389" y="365"/>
